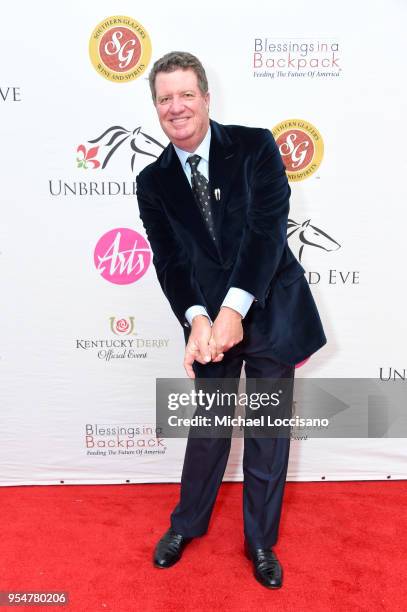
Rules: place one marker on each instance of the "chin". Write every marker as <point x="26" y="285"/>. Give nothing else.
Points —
<point x="180" y="137"/>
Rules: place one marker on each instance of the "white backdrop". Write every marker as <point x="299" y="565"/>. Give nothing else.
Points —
<point x="80" y="352"/>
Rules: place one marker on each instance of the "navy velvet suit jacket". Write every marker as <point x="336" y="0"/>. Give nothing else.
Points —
<point x="251" y="251"/>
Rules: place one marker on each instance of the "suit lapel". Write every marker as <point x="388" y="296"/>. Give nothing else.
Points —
<point x="224" y="159"/>
<point x="180" y="200"/>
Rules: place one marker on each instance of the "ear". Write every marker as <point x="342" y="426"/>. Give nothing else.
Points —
<point x="207" y="100"/>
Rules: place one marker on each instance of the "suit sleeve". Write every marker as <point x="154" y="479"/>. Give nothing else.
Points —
<point x="265" y="234"/>
<point x="174" y="270"/>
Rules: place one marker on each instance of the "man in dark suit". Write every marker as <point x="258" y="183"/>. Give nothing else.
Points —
<point x="215" y="206"/>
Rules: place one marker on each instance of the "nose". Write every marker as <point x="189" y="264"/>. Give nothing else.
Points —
<point x="177" y="105"/>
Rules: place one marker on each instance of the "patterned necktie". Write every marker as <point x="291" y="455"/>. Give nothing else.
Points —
<point x="200" y="188"/>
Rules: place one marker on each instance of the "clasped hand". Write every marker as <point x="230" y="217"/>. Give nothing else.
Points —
<point x="209" y="343"/>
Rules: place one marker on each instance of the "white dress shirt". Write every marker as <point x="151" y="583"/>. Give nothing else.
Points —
<point x="237" y="299"/>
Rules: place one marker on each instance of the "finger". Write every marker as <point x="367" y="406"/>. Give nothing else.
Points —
<point x="213" y="348"/>
<point x="189" y="370"/>
<point x="188" y="361"/>
<point x="218" y="358"/>
<point x="220" y="345"/>
<point x="200" y="359"/>
<point x="194" y="354"/>
<point x="204" y="351"/>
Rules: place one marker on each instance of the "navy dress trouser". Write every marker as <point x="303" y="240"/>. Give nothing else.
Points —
<point x="265" y="460"/>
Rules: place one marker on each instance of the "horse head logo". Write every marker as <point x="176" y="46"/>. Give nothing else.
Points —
<point x="140" y="142"/>
<point x="310" y="235"/>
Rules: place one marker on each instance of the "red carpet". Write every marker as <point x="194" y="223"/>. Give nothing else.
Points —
<point x="342" y="544"/>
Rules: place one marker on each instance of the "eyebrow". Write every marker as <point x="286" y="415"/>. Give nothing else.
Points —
<point x="181" y="92"/>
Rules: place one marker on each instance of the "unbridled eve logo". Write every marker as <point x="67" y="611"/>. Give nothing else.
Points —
<point x="106" y="144"/>
<point x="301" y="147"/>
<point x="122" y="256"/>
<point x="120" y="49"/>
<point x="305" y="235"/>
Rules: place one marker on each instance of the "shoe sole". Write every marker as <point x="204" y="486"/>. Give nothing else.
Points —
<point x="273" y="588"/>
<point x="159" y="566"/>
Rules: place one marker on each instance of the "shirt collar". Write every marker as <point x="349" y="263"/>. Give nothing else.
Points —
<point x="202" y="150"/>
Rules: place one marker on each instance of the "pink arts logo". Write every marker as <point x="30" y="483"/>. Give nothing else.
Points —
<point x="122" y="256"/>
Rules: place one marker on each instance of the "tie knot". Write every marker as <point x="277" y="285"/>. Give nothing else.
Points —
<point x="193" y="161"/>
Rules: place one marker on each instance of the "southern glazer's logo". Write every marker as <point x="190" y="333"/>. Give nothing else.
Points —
<point x="116" y="147"/>
<point x="285" y="58"/>
<point x="125" y="343"/>
<point x="120" y="49"/>
<point x="115" y="439"/>
<point x="301" y="147"/>
<point x="122" y="256"/>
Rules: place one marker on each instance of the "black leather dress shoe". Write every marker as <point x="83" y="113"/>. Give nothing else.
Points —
<point x="266" y="567"/>
<point x="169" y="549"/>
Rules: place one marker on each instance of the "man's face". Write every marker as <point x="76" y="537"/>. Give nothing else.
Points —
<point x="182" y="108"/>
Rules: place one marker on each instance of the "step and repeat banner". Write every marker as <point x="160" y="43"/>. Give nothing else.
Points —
<point x="85" y="328"/>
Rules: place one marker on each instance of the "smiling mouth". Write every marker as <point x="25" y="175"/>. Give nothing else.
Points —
<point x="180" y="119"/>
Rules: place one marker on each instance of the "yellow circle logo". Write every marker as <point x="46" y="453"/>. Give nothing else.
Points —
<point x="301" y="147"/>
<point x="120" y="49"/>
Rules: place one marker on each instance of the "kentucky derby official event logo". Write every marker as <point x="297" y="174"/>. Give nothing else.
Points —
<point x="122" y="256"/>
<point x="120" y="49"/>
<point x="131" y="345"/>
<point x="301" y="147"/>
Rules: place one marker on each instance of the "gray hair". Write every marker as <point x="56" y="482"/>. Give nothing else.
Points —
<point x="175" y="60"/>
